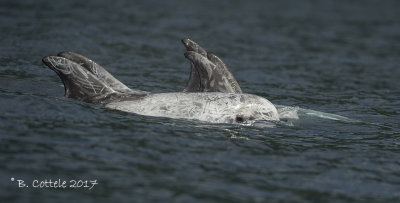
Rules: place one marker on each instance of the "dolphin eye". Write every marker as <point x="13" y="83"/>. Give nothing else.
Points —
<point x="239" y="119"/>
<point x="269" y="114"/>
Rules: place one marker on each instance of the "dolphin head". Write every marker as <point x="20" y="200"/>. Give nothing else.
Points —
<point x="255" y="108"/>
<point x="253" y="112"/>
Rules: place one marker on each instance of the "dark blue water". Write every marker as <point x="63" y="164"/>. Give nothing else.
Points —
<point x="339" y="57"/>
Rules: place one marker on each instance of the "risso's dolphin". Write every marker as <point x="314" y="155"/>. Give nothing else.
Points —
<point x="211" y="95"/>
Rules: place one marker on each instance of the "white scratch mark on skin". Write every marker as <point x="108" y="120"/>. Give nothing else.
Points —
<point x="102" y="89"/>
<point x="61" y="65"/>
<point x="94" y="90"/>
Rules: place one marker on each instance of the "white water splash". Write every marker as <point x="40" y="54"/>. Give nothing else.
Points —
<point x="295" y="113"/>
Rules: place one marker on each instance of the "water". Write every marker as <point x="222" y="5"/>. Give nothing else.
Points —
<point x="340" y="58"/>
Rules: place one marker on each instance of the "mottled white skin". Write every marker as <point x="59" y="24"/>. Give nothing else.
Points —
<point x="214" y="107"/>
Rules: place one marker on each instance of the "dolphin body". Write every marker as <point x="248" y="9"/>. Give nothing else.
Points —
<point x="212" y="94"/>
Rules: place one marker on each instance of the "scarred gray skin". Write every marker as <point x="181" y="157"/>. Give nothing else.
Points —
<point x="211" y="95"/>
<point x="214" y="107"/>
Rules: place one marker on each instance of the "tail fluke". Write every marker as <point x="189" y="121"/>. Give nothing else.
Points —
<point x="87" y="81"/>
<point x="79" y="83"/>
<point x="97" y="70"/>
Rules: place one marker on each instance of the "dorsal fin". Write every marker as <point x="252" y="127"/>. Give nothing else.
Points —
<point x="225" y="71"/>
<point x="208" y="72"/>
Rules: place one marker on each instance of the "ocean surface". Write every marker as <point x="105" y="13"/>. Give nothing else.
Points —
<point x="331" y="67"/>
